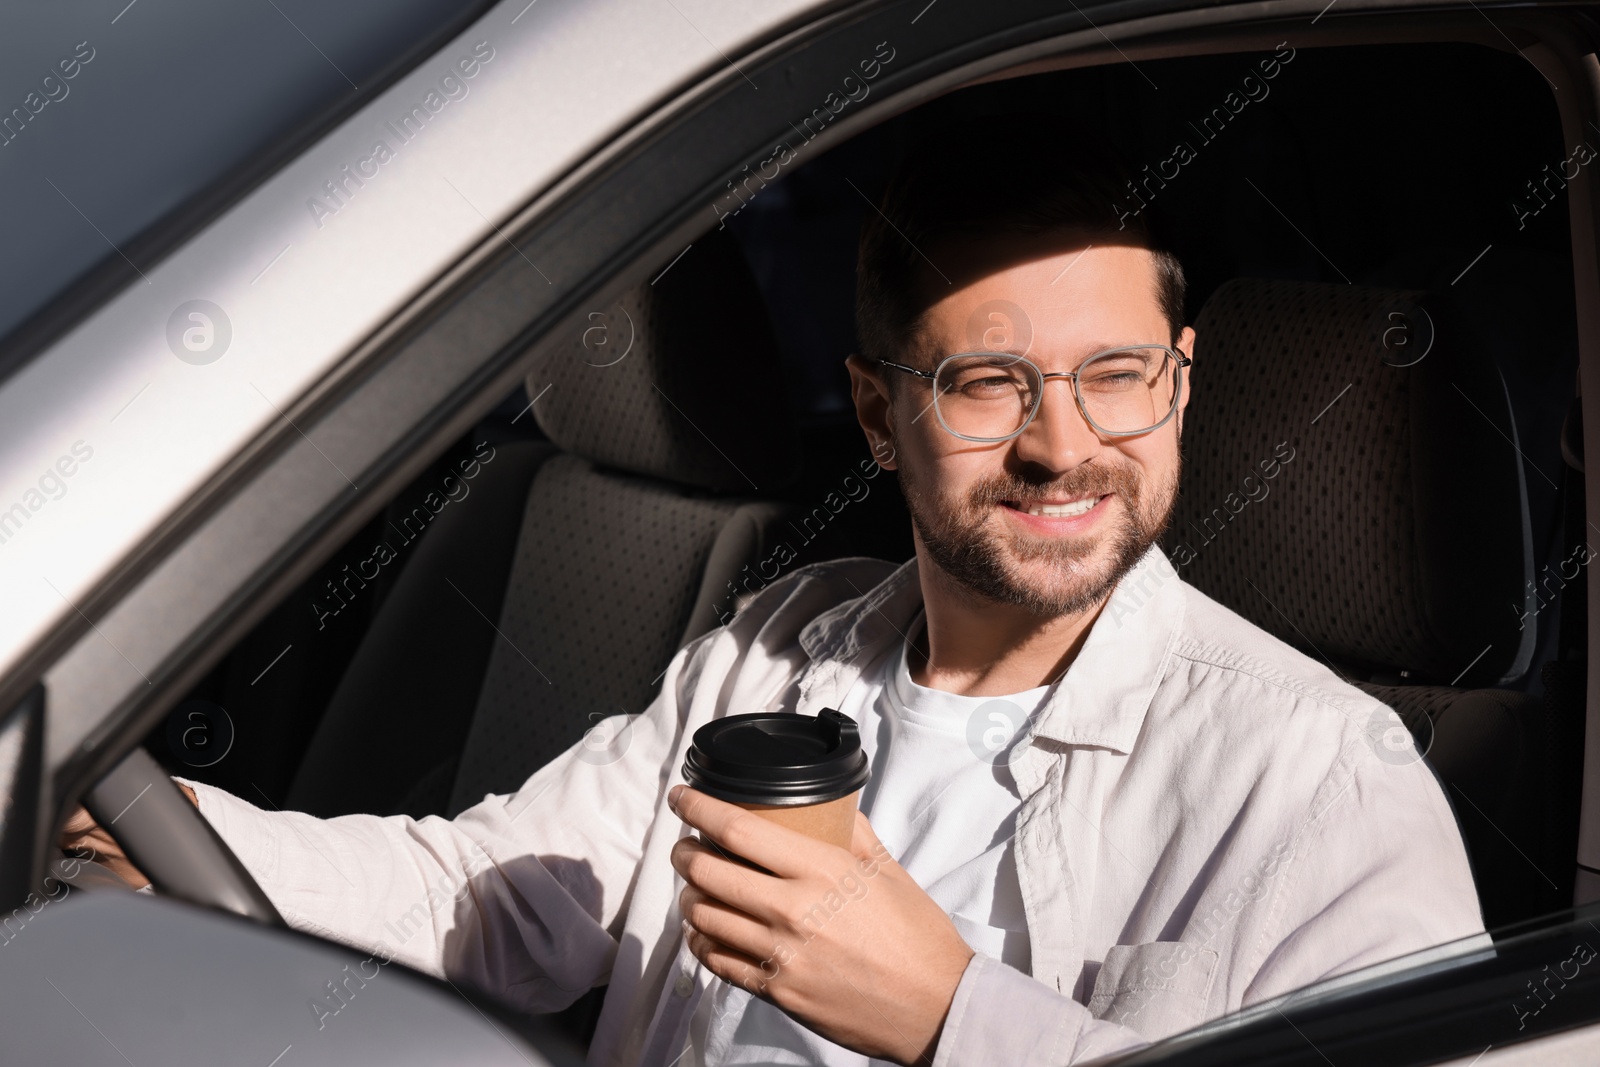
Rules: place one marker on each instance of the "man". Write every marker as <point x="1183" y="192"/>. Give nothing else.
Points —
<point x="1103" y="808"/>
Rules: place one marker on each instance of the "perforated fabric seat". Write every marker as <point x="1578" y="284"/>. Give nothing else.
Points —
<point x="613" y="574"/>
<point x="1368" y="507"/>
<point x="607" y="550"/>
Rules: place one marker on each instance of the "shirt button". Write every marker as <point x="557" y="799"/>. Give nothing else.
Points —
<point x="683" y="986"/>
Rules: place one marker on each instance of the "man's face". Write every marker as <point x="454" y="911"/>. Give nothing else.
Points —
<point x="1051" y="519"/>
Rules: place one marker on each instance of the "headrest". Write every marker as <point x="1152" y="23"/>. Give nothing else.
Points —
<point x="1352" y="482"/>
<point x="678" y="379"/>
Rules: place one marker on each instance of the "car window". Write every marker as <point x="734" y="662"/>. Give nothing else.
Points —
<point x="433" y="657"/>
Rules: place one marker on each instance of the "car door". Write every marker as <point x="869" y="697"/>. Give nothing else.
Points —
<point x="285" y="370"/>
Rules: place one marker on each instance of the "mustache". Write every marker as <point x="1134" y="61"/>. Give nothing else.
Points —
<point x="1080" y="481"/>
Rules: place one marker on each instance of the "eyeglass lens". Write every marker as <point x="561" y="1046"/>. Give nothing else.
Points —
<point x="990" y="395"/>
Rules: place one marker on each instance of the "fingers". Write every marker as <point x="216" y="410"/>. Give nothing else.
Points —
<point x="724" y="879"/>
<point x="731" y="927"/>
<point x="782" y="851"/>
<point x="80" y="833"/>
<point x="729" y="964"/>
<point x="78" y="823"/>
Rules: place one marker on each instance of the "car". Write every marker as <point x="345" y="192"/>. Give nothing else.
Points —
<point x="387" y="395"/>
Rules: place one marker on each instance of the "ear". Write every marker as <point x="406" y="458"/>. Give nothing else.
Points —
<point x="869" y="391"/>
<point x="1185" y="344"/>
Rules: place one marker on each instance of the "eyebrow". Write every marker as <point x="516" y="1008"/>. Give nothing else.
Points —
<point x="1102" y="346"/>
<point x="1095" y="348"/>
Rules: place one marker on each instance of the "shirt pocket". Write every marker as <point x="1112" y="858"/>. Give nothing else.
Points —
<point x="1159" y="988"/>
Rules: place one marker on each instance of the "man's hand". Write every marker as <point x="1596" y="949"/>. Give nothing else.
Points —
<point x="82" y="833"/>
<point x="842" y="940"/>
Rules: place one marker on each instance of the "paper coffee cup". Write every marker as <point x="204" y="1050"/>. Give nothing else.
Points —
<point x="800" y="771"/>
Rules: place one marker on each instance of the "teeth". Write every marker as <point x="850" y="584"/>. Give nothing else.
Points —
<point x="1065" y="511"/>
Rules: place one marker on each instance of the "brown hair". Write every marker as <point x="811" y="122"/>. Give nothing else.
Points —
<point x="958" y="183"/>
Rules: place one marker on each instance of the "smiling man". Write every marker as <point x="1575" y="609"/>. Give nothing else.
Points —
<point x="1103" y="808"/>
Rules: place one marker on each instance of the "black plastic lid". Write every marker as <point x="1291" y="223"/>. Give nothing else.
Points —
<point x="778" y="758"/>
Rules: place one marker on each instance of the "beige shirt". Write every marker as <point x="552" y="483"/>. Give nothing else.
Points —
<point x="1209" y="820"/>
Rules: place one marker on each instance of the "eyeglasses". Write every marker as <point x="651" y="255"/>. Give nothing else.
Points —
<point x="992" y="396"/>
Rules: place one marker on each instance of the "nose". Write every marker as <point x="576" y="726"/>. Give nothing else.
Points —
<point x="1059" y="437"/>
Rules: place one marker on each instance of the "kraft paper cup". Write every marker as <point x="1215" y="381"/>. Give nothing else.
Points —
<point x="799" y="771"/>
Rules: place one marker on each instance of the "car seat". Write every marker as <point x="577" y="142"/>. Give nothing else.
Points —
<point x="587" y="561"/>
<point x="1353" y="484"/>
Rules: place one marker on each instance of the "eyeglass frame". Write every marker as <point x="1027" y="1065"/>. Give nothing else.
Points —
<point x="1179" y="358"/>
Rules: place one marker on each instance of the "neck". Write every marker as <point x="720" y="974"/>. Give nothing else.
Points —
<point x="975" y="647"/>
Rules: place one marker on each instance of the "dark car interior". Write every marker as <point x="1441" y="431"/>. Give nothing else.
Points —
<point x="1381" y="280"/>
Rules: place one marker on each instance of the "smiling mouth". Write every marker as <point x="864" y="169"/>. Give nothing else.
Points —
<point x="1067" y="510"/>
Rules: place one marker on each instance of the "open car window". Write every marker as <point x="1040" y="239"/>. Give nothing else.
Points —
<point x="1383" y="463"/>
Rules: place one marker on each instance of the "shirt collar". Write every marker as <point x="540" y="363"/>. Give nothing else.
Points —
<point x="1102" y="698"/>
<point x="864" y="621"/>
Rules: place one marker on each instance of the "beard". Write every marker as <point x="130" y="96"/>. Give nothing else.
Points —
<point x="1048" y="576"/>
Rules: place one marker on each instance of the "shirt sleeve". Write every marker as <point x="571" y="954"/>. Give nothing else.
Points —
<point x="1381" y="872"/>
<point x="523" y="894"/>
<point x="1000" y="1015"/>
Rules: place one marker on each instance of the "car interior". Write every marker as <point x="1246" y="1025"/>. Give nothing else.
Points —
<point x="1381" y="279"/>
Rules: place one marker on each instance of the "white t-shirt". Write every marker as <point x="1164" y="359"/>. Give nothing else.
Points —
<point x="943" y="802"/>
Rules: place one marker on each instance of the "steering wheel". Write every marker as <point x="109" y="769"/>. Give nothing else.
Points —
<point x="171" y="842"/>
